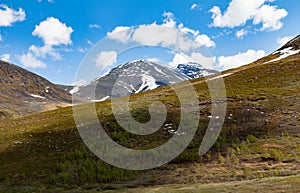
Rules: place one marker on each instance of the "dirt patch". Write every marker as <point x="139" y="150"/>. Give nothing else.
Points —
<point x="271" y="145"/>
<point x="51" y="107"/>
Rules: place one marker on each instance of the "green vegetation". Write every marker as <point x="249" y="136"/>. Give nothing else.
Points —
<point x="80" y="168"/>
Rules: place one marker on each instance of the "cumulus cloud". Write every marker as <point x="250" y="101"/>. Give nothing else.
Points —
<point x="283" y="40"/>
<point x="241" y="33"/>
<point x="207" y="62"/>
<point x="160" y="35"/>
<point x="41" y="52"/>
<point x="121" y="33"/>
<point x="227" y="62"/>
<point x="29" y="60"/>
<point x="106" y="59"/>
<point x="239" y="12"/>
<point x="155" y="60"/>
<point x="8" y="16"/>
<point x="53" y="32"/>
<point x="205" y="40"/>
<point x="181" y="58"/>
<point x="5" y="57"/>
<point x="169" y="34"/>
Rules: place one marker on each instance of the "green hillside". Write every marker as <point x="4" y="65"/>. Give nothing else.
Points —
<point x="260" y="139"/>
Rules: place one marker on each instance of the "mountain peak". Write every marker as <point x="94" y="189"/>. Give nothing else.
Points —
<point x="194" y="70"/>
<point x="130" y="78"/>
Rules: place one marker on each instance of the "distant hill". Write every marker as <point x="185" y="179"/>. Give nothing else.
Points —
<point x="23" y="92"/>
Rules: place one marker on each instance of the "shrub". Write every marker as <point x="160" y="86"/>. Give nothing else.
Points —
<point x="251" y="139"/>
<point x="276" y="154"/>
<point x="80" y="167"/>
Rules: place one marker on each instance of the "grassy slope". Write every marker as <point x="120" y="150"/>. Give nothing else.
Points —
<point x="289" y="184"/>
<point x="260" y="139"/>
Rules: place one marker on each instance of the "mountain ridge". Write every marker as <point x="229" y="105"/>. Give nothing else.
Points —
<point x="23" y="92"/>
<point x="138" y="76"/>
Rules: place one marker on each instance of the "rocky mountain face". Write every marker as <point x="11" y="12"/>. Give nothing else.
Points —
<point x="23" y="92"/>
<point x="194" y="70"/>
<point x="294" y="44"/>
<point x="138" y="76"/>
<point x="130" y="78"/>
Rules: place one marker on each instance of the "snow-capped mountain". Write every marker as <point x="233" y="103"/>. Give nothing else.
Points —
<point x="194" y="70"/>
<point x="130" y="78"/>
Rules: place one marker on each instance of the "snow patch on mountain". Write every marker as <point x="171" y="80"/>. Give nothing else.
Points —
<point x="149" y="83"/>
<point x="138" y="76"/>
<point x="37" y="96"/>
<point x="74" y="90"/>
<point x="284" y="53"/>
<point x="103" y="99"/>
<point x="221" y="76"/>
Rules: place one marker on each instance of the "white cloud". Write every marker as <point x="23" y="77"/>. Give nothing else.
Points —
<point x="167" y="34"/>
<point x="9" y="16"/>
<point x="270" y="17"/>
<point x="121" y="33"/>
<point x="239" y="12"/>
<point x="155" y="35"/>
<point x="5" y="57"/>
<point x="241" y="33"/>
<point x="53" y="32"/>
<point x="50" y="1"/>
<point x="106" y="59"/>
<point x="155" y="60"/>
<point x="1" y="39"/>
<point x="227" y="62"/>
<point x="205" y="40"/>
<point x="80" y="82"/>
<point x="94" y="26"/>
<point x="29" y="60"/>
<point x="194" y="6"/>
<point x="90" y="42"/>
<point x="181" y="58"/>
<point x="283" y="40"/>
<point x="207" y="62"/>
<point x="82" y="50"/>
<point x="187" y="30"/>
<point x="42" y="52"/>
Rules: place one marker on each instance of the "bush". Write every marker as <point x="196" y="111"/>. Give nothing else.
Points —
<point x="251" y="139"/>
<point x="80" y="167"/>
<point x="276" y="154"/>
<point x="222" y="160"/>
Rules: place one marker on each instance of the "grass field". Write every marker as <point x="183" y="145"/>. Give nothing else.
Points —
<point x="257" y="150"/>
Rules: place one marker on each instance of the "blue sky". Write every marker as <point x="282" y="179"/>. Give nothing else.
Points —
<point x="51" y="38"/>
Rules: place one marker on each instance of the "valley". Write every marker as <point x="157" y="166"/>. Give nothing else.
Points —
<point x="257" y="150"/>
